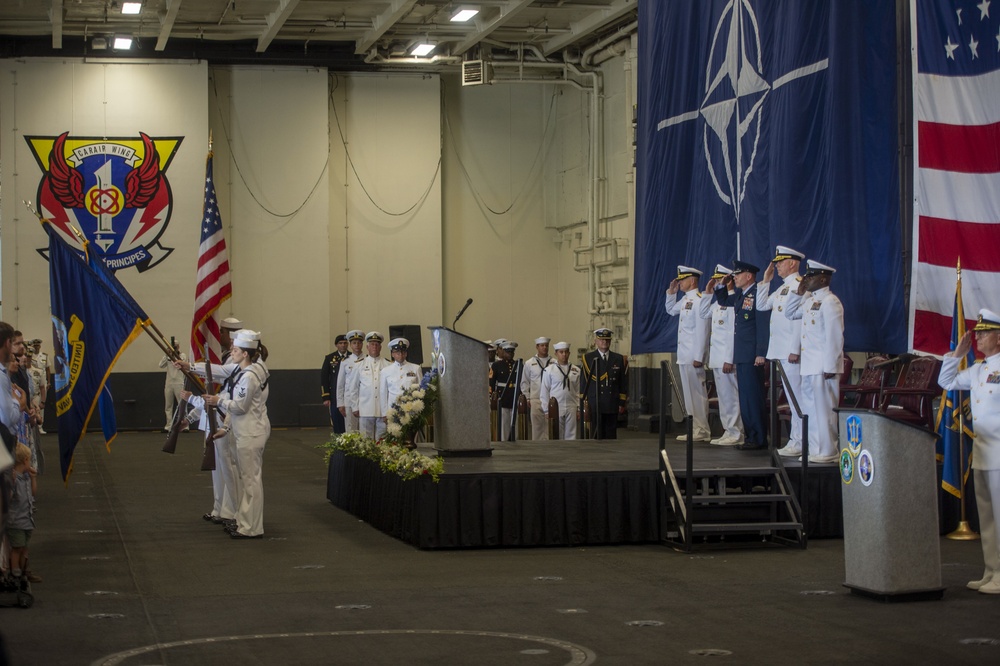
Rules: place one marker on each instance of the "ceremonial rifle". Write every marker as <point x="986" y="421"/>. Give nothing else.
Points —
<point x="208" y="457"/>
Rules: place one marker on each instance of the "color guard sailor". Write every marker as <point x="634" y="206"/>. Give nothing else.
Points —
<point x="328" y="374"/>
<point x="503" y="382"/>
<point x="531" y="386"/>
<point x="561" y="381"/>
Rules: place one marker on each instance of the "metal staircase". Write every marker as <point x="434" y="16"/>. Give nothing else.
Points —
<point x="737" y="506"/>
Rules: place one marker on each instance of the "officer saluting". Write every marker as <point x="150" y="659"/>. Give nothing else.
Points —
<point x="503" y="382"/>
<point x="692" y="347"/>
<point x="720" y="360"/>
<point x="605" y="384"/>
<point x="739" y="291"/>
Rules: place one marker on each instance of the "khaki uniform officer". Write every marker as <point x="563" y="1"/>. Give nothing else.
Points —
<point x="561" y="381"/>
<point x="982" y="380"/>
<point x="398" y="375"/>
<point x="355" y="342"/>
<point x="531" y="386"/>
<point x="692" y="347"/>
<point x="785" y="341"/>
<point x="363" y="392"/>
<point x="720" y="360"/>
<point x="822" y="359"/>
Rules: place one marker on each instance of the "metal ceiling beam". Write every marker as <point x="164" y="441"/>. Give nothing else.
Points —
<point x="275" y="20"/>
<point x="590" y="24"/>
<point x="167" y="24"/>
<point x="483" y="30"/>
<point x="397" y="9"/>
<point x="56" y="18"/>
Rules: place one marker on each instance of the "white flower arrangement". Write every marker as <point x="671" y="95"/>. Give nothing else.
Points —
<point x="391" y="458"/>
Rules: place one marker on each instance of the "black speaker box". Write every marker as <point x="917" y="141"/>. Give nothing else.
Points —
<point x="412" y="333"/>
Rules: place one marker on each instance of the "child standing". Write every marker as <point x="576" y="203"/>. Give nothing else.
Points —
<point x="20" y="519"/>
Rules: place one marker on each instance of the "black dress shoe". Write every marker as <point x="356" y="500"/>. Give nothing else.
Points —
<point x="235" y="534"/>
<point x="208" y="517"/>
<point x="748" y="446"/>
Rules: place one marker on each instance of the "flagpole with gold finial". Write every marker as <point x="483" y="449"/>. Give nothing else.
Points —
<point x="963" y="532"/>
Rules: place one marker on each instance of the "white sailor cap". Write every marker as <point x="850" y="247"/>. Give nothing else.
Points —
<point x="355" y="334"/>
<point x="781" y="252"/>
<point x="815" y="268"/>
<point x="721" y="272"/>
<point x="246" y="339"/>
<point x="509" y="344"/>
<point x="988" y="321"/>
<point x="561" y="345"/>
<point x="603" y="333"/>
<point x="542" y="340"/>
<point x="686" y="272"/>
<point x="399" y="343"/>
<point x="232" y="323"/>
<point x="374" y="336"/>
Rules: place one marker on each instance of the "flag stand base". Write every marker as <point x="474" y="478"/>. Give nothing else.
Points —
<point x="963" y="533"/>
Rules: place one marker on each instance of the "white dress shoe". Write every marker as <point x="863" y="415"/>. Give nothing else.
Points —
<point x="725" y="441"/>
<point x="976" y="584"/>
<point x="823" y="460"/>
<point x="992" y="587"/>
<point x="788" y="451"/>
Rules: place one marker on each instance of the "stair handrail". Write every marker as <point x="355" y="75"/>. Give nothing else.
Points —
<point x="801" y="504"/>
<point x="686" y="502"/>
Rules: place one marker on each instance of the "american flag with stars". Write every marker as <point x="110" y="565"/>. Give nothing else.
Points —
<point x="957" y="164"/>
<point x="213" y="287"/>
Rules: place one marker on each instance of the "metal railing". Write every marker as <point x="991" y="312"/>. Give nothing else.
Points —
<point x="801" y="504"/>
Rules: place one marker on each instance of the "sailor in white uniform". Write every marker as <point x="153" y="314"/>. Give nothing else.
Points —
<point x="785" y="341"/>
<point x="720" y="360"/>
<point x="245" y="405"/>
<point x="982" y="380"/>
<point x="822" y="359"/>
<point x="355" y="341"/>
<point x="531" y="386"/>
<point x="398" y="375"/>
<point x="561" y="381"/>
<point x="363" y="390"/>
<point x="692" y="347"/>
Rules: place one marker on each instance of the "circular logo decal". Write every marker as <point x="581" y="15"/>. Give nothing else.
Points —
<point x="866" y="468"/>
<point x="441" y="365"/>
<point x="846" y="466"/>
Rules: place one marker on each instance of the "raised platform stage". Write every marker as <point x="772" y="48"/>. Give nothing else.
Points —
<point x="556" y="493"/>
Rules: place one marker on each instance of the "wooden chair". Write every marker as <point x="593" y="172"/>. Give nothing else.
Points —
<point x="911" y="400"/>
<point x="867" y="393"/>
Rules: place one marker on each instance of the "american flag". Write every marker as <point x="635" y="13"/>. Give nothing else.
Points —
<point x="213" y="288"/>
<point x="957" y="179"/>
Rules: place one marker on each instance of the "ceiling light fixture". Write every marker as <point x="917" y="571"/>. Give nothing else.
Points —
<point x="421" y="50"/>
<point x="463" y="15"/>
<point x="131" y="7"/>
<point x="122" y="43"/>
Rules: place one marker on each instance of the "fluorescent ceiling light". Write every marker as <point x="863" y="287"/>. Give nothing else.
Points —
<point x="463" y="15"/>
<point x="421" y="50"/>
<point x="122" y="43"/>
<point x="131" y="7"/>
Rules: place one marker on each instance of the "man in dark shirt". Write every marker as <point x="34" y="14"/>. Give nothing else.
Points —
<point x="752" y="332"/>
<point x="328" y="382"/>
<point x="605" y="384"/>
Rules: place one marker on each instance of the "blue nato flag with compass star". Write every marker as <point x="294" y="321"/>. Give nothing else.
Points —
<point x="766" y="122"/>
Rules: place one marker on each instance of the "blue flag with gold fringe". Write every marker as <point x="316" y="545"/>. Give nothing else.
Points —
<point x="92" y="324"/>
<point x="954" y="448"/>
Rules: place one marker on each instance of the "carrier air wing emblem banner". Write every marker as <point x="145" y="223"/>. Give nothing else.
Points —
<point x="114" y="189"/>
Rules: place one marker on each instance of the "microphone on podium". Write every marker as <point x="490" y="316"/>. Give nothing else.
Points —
<point x="461" y="312"/>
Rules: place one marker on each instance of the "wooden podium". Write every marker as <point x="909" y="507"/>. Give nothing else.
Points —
<point x="462" y="414"/>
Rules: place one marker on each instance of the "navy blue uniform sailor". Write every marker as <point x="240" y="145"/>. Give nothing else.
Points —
<point x="503" y="382"/>
<point x="739" y="291"/>
<point x="720" y="360"/>
<point x="605" y="385"/>
<point x="328" y="374"/>
<point x="692" y="347"/>
<point x="982" y="380"/>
